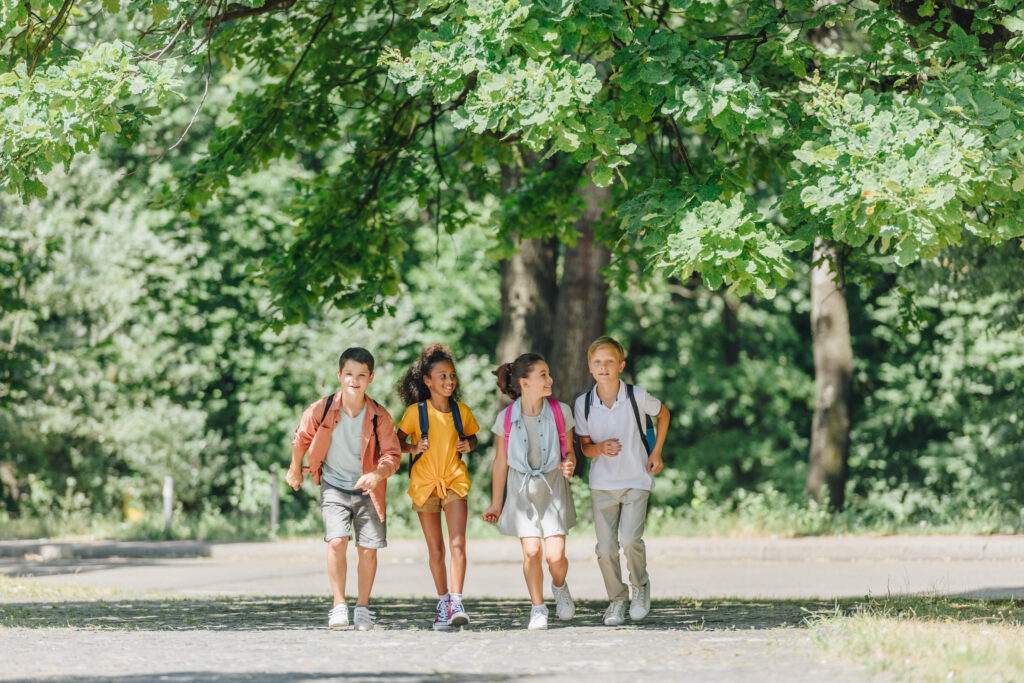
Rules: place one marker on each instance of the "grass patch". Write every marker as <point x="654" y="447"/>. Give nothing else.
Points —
<point x="16" y="589"/>
<point x="929" y="639"/>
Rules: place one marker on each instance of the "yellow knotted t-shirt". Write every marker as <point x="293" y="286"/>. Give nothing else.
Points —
<point x="439" y="468"/>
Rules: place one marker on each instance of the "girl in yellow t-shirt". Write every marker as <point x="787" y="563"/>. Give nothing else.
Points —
<point x="443" y="430"/>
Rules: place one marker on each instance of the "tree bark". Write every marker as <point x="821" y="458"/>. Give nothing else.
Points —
<point x="528" y="292"/>
<point x="833" y="375"/>
<point x="582" y="307"/>
<point x="529" y="288"/>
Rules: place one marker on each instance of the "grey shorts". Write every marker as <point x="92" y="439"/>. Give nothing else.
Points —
<point x="346" y="511"/>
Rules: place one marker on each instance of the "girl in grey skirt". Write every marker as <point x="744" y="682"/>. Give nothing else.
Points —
<point x="532" y="466"/>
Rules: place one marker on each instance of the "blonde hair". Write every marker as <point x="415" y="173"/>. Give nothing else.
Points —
<point x="605" y="340"/>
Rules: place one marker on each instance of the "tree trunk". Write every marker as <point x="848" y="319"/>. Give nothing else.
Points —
<point x="528" y="291"/>
<point x="582" y="300"/>
<point x="529" y="287"/>
<point x="833" y="374"/>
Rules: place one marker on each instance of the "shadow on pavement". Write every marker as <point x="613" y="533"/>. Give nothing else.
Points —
<point x="262" y="677"/>
<point x="303" y="613"/>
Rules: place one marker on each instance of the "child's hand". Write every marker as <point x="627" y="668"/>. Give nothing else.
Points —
<point x="294" y="478"/>
<point x="611" y="447"/>
<point x="421" y="445"/>
<point x="568" y="466"/>
<point x="369" y="481"/>
<point x="463" y="446"/>
<point x="492" y="513"/>
<point x="654" y="463"/>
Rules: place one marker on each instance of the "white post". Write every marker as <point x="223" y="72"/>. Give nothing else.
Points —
<point x="168" y="504"/>
<point x="275" y="508"/>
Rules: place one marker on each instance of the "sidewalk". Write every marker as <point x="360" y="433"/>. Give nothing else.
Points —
<point x="700" y="568"/>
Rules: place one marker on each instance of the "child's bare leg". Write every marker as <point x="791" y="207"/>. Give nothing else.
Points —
<point x="533" y="552"/>
<point x="337" y="567"/>
<point x="455" y="514"/>
<point x="558" y="563"/>
<point x="430" y="522"/>
<point x="367" y="571"/>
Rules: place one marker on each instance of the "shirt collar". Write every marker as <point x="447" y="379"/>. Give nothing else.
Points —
<point x="619" y="396"/>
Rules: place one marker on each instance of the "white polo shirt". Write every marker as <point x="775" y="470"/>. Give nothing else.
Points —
<point x="628" y="469"/>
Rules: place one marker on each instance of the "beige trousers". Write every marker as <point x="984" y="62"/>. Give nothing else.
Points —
<point x="619" y="517"/>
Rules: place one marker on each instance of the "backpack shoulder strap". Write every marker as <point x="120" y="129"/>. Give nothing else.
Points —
<point x="560" y="424"/>
<point x="586" y="404"/>
<point x="636" y="414"/>
<point x="424" y="419"/>
<point x="327" y="408"/>
<point x="456" y="417"/>
<point x="421" y="408"/>
<point x="508" y="423"/>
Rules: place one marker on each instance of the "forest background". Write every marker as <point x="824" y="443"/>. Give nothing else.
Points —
<point x="209" y="201"/>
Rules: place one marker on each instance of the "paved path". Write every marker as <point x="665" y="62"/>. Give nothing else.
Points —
<point x="284" y="639"/>
<point x="981" y="566"/>
<point x="717" y="616"/>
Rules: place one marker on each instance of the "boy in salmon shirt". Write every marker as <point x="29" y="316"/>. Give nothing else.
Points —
<point x="353" y="449"/>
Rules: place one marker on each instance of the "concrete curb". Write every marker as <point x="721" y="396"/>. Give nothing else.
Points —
<point x="97" y="550"/>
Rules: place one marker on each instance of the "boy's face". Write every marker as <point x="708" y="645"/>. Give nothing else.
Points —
<point x="355" y="377"/>
<point x="605" y="365"/>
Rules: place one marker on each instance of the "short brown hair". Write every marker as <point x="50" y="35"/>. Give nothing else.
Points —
<point x="605" y="340"/>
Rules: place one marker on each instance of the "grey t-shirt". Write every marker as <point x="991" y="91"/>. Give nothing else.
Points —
<point x="344" y="463"/>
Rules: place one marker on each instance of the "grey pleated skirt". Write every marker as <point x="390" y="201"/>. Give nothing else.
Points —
<point x="534" y="509"/>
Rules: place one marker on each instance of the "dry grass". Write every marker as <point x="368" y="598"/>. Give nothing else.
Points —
<point x="930" y="639"/>
<point x="20" y="589"/>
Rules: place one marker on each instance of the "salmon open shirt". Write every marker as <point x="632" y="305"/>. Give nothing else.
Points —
<point x="377" y="449"/>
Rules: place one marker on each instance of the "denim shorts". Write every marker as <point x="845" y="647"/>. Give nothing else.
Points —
<point x="346" y="511"/>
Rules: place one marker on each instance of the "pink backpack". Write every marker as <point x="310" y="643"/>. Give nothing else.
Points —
<point x="559" y="424"/>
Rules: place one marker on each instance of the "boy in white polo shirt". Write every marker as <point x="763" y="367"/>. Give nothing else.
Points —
<point x="612" y="423"/>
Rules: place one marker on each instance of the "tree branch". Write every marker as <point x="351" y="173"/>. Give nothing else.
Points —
<point x="239" y="11"/>
<point x="964" y="18"/>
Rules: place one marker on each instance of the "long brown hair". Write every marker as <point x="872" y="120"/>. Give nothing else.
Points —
<point x="509" y="374"/>
<point x="411" y="388"/>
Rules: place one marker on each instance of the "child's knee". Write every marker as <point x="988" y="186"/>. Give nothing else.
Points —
<point x="533" y="552"/>
<point x="458" y="545"/>
<point x="436" y="552"/>
<point x="338" y="544"/>
<point x="555" y="558"/>
<point x="630" y="545"/>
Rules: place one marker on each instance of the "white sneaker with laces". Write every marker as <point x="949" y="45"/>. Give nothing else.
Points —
<point x="565" y="608"/>
<point x="457" y="613"/>
<point x="640" y="605"/>
<point x="363" y="618"/>
<point x="338" y="616"/>
<point x="615" y="615"/>
<point x="441" y="620"/>
<point x="538" y="618"/>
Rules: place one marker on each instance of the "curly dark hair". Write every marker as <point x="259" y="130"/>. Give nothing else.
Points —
<point x="411" y="387"/>
<point x="509" y="374"/>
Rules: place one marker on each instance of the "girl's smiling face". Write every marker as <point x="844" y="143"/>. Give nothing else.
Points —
<point x="440" y="380"/>
<point x="538" y="381"/>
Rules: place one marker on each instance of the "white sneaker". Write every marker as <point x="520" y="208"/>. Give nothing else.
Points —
<point x="363" y="618"/>
<point x="565" y="608"/>
<point x="441" y="620"/>
<point x="338" y="616"/>
<point x="538" y="618"/>
<point x="457" y="613"/>
<point x="640" y="605"/>
<point x="615" y="615"/>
